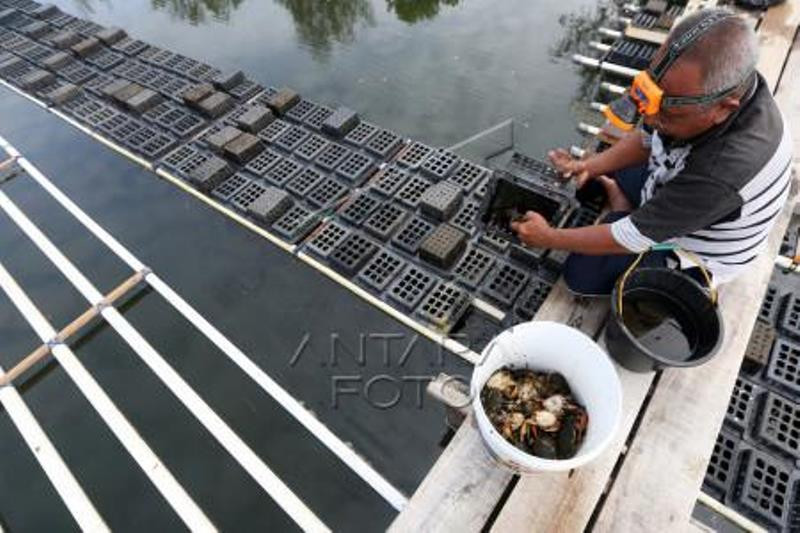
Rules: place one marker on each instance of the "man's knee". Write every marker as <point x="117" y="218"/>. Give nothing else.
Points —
<point x="586" y="276"/>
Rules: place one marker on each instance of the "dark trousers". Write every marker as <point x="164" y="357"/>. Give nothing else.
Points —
<point x="595" y="275"/>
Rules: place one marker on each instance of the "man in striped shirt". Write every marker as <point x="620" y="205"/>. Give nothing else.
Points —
<point x="709" y="178"/>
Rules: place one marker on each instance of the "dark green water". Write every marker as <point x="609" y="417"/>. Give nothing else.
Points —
<point x="435" y="71"/>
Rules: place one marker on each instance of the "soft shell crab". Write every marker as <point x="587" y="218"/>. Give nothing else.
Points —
<point x="535" y="411"/>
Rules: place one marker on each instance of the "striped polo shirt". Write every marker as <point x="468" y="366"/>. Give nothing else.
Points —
<point x="717" y="195"/>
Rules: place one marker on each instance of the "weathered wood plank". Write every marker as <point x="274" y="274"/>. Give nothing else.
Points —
<point x="678" y="431"/>
<point x="776" y="35"/>
<point x="464" y="486"/>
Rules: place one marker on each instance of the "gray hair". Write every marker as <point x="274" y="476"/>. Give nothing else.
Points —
<point x="727" y="53"/>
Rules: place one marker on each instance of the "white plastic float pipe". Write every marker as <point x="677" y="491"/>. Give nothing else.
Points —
<point x="313" y="425"/>
<point x="238" y="449"/>
<point x="130" y="439"/>
<point x="601" y="47"/>
<point x="604" y="66"/>
<point x="59" y="474"/>
<point x="588" y="129"/>
<point x="608" y="32"/>
<point x="612" y="88"/>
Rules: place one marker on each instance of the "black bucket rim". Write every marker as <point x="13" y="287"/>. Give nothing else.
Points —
<point x="660" y="360"/>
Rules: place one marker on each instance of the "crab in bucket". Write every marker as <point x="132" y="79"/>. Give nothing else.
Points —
<point x="536" y="412"/>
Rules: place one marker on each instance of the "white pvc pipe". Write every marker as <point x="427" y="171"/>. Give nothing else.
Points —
<point x="605" y="65"/>
<point x="608" y="32"/>
<point x="612" y="88"/>
<point x="316" y="428"/>
<point x="127" y="435"/>
<point x="589" y="129"/>
<point x="576" y="151"/>
<point x="602" y="47"/>
<point x="598" y="106"/>
<point x="242" y="453"/>
<point x="59" y="474"/>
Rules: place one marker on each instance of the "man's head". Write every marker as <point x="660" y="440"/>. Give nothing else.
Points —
<point x="721" y="58"/>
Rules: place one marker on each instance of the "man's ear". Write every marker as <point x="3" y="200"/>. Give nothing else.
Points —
<point x="724" y="108"/>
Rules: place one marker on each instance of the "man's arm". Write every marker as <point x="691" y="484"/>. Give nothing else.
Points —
<point x="589" y="240"/>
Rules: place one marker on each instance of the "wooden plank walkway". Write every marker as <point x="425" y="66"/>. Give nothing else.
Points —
<point x="676" y="415"/>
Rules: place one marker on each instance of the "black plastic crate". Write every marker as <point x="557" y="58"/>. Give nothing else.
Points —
<point x="385" y="221"/>
<point x="264" y="161"/>
<point x="296" y="223"/>
<point x="472" y="268"/>
<point x="768" y="489"/>
<point x="412" y="234"/>
<point x="770" y="306"/>
<point x="742" y="404"/>
<point x="245" y="90"/>
<point x="532" y="298"/>
<point x="505" y="283"/>
<point x="361" y="134"/>
<point x="283" y="171"/>
<point x="301" y="110"/>
<point x="410" y="287"/>
<point x="790" y="321"/>
<point x="414" y="154"/>
<point x="482" y="188"/>
<point x="332" y="156"/>
<point x="352" y="254"/>
<point x="311" y="147"/>
<point x="356" y="168"/>
<point x="210" y="173"/>
<point x="784" y="364"/>
<point x="440" y="164"/>
<point x="317" y="117"/>
<point x="304" y="182"/>
<point x="77" y="73"/>
<point x="388" y="181"/>
<point x="582" y="217"/>
<point x="381" y="270"/>
<point x="177" y="157"/>
<point x="724" y="464"/>
<point x="760" y="345"/>
<point x="359" y="208"/>
<point x="779" y="424"/>
<point x="340" y="122"/>
<point x="441" y="200"/>
<point x="412" y="190"/>
<point x="129" y="46"/>
<point x="270" y="205"/>
<point x="105" y="59"/>
<point x="292" y="138"/>
<point x="247" y="195"/>
<point x="443" y="246"/>
<point x="327" y="192"/>
<point x="243" y="148"/>
<point x="495" y="242"/>
<point x="465" y="217"/>
<point x="384" y="143"/>
<point x="444" y="306"/>
<point x="468" y="175"/>
<point x="274" y="130"/>
<point x="228" y="188"/>
<point x="328" y="238"/>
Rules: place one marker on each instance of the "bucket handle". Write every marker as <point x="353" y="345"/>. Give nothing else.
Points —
<point x="712" y="291"/>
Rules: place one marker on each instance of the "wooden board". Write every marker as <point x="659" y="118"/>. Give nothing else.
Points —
<point x="776" y="34"/>
<point x="679" y="428"/>
<point x="464" y="486"/>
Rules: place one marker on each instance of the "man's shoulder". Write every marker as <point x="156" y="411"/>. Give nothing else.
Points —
<point x="755" y="141"/>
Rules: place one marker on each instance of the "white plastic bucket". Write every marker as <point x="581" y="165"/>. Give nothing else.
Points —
<point x="552" y="347"/>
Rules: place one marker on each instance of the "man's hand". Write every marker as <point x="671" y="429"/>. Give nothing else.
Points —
<point x="570" y="167"/>
<point x="533" y="230"/>
<point x="617" y="200"/>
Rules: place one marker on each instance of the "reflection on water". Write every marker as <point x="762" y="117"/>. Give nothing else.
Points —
<point x="412" y="11"/>
<point x="320" y="23"/>
<point x="578" y="29"/>
<point x="196" y="11"/>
